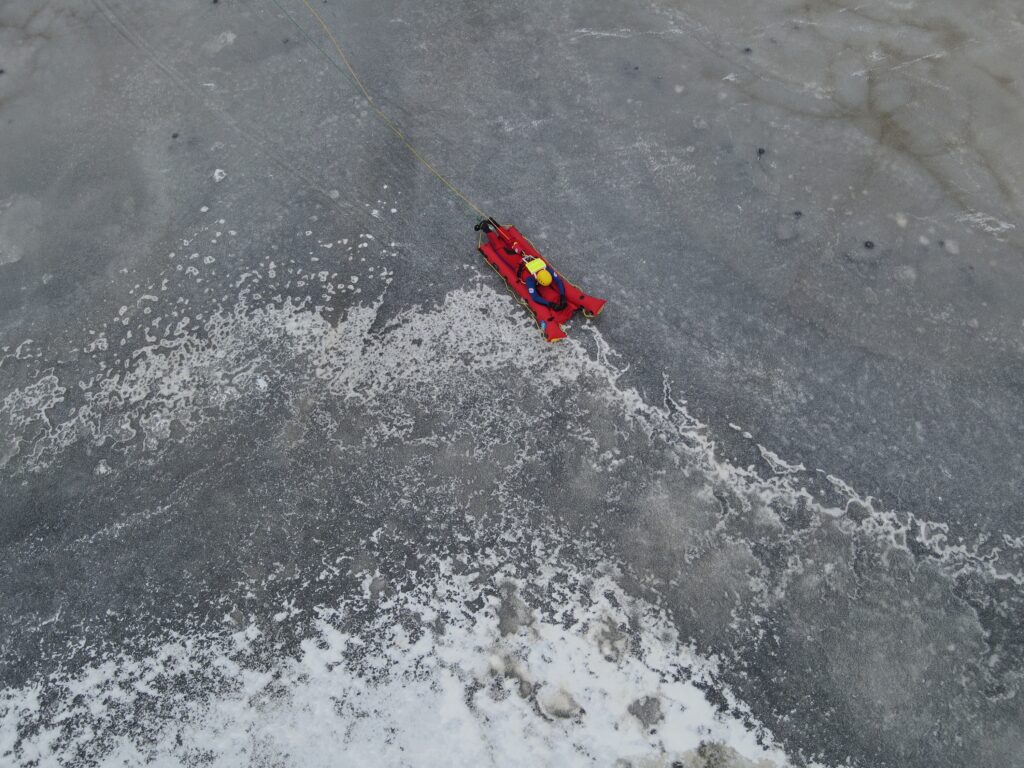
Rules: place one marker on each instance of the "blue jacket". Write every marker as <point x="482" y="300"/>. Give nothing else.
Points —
<point x="532" y="285"/>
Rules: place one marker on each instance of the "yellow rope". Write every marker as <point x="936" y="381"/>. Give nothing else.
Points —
<point x="373" y="104"/>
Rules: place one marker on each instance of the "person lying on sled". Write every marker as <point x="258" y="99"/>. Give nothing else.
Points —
<point x="543" y="275"/>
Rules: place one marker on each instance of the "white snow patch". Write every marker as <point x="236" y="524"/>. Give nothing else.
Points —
<point x="453" y="691"/>
<point x="986" y="223"/>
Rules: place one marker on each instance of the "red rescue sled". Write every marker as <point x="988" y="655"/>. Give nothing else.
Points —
<point x="516" y="260"/>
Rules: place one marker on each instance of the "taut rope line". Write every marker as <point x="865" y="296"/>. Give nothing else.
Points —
<point x="373" y="104"/>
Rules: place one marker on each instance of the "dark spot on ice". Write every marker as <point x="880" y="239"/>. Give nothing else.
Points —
<point x="647" y="709"/>
<point x="174" y="135"/>
<point x="869" y="244"/>
<point x="748" y="50"/>
<point x="215" y="1"/>
<point x="286" y="40"/>
<point x="471" y="691"/>
<point x="714" y="696"/>
<point x="513" y="613"/>
<point x="636" y="68"/>
<point x="761" y="151"/>
<point x="1" y="71"/>
<point x="716" y="755"/>
<point x="798" y="214"/>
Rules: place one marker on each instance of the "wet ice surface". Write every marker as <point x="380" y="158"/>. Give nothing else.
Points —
<point x="286" y="476"/>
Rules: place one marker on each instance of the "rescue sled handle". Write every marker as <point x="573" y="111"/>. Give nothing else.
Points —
<point x="490" y="225"/>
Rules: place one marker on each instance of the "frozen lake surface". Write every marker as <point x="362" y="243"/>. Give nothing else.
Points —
<point x="288" y="479"/>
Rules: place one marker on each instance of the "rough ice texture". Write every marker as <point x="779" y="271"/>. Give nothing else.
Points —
<point x="411" y="430"/>
<point x="242" y="338"/>
<point x="423" y="682"/>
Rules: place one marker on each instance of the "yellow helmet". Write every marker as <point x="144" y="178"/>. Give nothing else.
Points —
<point x="543" y="277"/>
